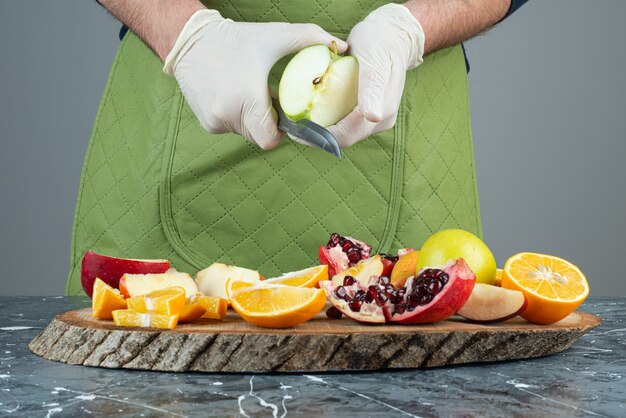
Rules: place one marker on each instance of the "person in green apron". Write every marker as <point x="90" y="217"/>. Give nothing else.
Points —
<point x="185" y="161"/>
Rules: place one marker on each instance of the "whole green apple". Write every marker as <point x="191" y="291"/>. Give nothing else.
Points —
<point x="457" y="243"/>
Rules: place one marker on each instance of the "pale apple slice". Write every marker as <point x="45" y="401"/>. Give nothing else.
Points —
<point x="111" y="269"/>
<point x="140" y="284"/>
<point x="489" y="303"/>
<point x="362" y="271"/>
<point x="319" y="85"/>
<point x="212" y="280"/>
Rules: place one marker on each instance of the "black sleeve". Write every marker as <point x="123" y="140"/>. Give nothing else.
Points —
<point x="515" y="4"/>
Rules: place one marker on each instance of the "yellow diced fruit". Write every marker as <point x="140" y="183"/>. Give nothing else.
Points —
<point x="130" y="318"/>
<point x="169" y="301"/>
<point x="106" y="300"/>
<point x="191" y="312"/>
<point x="214" y="306"/>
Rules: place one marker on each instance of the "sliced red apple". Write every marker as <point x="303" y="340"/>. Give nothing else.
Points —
<point x="212" y="280"/>
<point x="111" y="269"/>
<point x="140" y="284"/>
<point x="489" y="303"/>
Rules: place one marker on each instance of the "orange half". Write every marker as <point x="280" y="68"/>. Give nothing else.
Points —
<point x="553" y="287"/>
<point x="169" y="301"/>
<point x="275" y="306"/>
<point x="105" y="300"/>
<point x="302" y="278"/>
<point x="130" y="318"/>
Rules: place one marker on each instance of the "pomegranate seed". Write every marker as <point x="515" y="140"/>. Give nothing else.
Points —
<point x="346" y="245"/>
<point x="355" y="305"/>
<point x="381" y="299"/>
<point x="359" y="295"/>
<point x="397" y="298"/>
<point x="341" y="293"/>
<point x="354" y="255"/>
<point x="383" y="280"/>
<point x="349" y="281"/>
<point x="426" y="299"/>
<point x="333" y="313"/>
<point x="434" y="287"/>
<point x="372" y="292"/>
<point x="400" y="308"/>
<point x="413" y="300"/>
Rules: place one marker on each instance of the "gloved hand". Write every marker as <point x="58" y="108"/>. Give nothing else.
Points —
<point x="222" y="69"/>
<point x="387" y="43"/>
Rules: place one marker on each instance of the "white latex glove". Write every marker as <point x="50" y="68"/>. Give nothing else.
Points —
<point x="222" y="69"/>
<point x="387" y="43"/>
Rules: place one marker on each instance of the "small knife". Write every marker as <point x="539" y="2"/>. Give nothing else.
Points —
<point x="309" y="132"/>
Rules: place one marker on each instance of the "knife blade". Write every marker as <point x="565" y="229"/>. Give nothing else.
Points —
<point x="309" y="132"/>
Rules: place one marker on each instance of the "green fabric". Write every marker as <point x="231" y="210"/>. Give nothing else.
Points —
<point x="155" y="185"/>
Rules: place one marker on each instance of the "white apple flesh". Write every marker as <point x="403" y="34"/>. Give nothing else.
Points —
<point x="212" y="280"/>
<point x="489" y="303"/>
<point x="319" y="85"/>
<point x="141" y="284"/>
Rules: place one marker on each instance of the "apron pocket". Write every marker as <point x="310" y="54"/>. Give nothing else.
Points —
<point x="223" y="199"/>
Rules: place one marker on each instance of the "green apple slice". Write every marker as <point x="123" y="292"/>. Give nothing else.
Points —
<point x="319" y="85"/>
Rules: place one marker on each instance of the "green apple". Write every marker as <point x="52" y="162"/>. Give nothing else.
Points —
<point x="457" y="243"/>
<point x="319" y="85"/>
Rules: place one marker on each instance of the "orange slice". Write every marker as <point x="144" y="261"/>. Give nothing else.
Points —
<point x="302" y="278"/>
<point x="191" y="312"/>
<point x="233" y="286"/>
<point x="215" y="307"/>
<point x="130" y="318"/>
<point x="553" y="287"/>
<point x="275" y="306"/>
<point x="169" y="301"/>
<point x="105" y="300"/>
<point x="201" y="306"/>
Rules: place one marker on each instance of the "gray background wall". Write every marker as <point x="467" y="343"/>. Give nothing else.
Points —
<point x="548" y="99"/>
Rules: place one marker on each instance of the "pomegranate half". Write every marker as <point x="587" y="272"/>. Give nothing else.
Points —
<point x="433" y="295"/>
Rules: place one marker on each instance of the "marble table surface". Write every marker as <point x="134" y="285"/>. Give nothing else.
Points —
<point x="588" y="379"/>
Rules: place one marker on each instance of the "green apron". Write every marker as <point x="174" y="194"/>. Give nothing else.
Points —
<point x="156" y="185"/>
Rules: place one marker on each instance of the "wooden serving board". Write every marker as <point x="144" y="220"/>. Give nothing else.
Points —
<point x="75" y="337"/>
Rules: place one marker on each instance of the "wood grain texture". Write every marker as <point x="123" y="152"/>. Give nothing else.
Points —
<point x="75" y="337"/>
